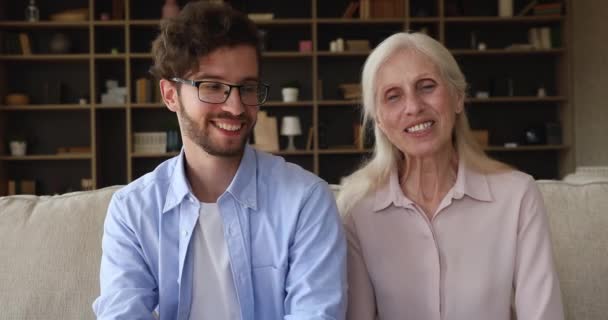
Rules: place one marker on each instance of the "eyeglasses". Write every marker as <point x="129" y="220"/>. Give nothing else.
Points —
<point x="252" y="94"/>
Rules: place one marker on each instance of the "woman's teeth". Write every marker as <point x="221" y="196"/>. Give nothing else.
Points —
<point x="419" y="127"/>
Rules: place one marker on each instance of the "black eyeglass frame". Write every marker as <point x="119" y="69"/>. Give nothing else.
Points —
<point x="197" y="83"/>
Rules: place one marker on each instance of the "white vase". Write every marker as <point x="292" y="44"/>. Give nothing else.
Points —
<point x="18" y="148"/>
<point x="290" y="94"/>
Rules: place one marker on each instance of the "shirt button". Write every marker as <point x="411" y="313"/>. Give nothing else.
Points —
<point x="185" y="233"/>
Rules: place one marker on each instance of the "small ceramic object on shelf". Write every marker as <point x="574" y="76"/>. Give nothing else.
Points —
<point x="18" y="148"/>
<point x="170" y="9"/>
<point x="290" y="94"/>
<point x="60" y="43"/>
<point x="32" y="13"/>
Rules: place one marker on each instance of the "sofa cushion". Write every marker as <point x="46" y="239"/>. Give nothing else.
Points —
<point x="50" y="251"/>
<point x="578" y="214"/>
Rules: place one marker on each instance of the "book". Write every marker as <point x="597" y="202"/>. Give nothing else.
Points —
<point x="265" y="133"/>
<point x="10" y="43"/>
<point x="364" y="9"/>
<point x="310" y="138"/>
<point x="527" y="9"/>
<point x="548" y="9"/>
<point x="386" y="8"/>
<point x="351" y="9"/>
<point x="24" y="42"/>
<point x="143" y="90"/>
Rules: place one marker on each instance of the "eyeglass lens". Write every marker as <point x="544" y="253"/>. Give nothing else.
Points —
<point x="216" y="92"/>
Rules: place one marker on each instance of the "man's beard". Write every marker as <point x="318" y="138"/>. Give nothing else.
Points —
<point x="202" y="137"/>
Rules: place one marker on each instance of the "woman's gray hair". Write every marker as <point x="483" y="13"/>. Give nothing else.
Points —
<point x="386" y="157"/>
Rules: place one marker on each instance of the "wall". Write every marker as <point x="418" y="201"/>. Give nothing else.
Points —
<point x="590" y="81"/>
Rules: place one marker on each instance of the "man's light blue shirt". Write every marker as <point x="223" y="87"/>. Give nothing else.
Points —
<point x="282" y="230"/>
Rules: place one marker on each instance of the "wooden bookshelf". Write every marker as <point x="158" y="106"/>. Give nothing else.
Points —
<point x="120" y="50"/>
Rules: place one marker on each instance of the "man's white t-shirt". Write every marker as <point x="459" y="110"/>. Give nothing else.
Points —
<point x="213" y="292"/>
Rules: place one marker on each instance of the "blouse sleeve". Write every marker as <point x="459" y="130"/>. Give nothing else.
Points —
<point x="361" y="299"/>
<point x="537" y="292"/>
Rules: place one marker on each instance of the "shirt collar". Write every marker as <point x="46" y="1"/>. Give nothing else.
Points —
<point x="242" y="188"/>
<point x="244" y="184"/>
<point x="390" y="193"/>
<point x="468" y="181"/>
<point x="472" y="183"/>
<point x="179" y="187"/>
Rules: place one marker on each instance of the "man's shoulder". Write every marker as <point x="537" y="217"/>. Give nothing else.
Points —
<point x="155" y="182"/>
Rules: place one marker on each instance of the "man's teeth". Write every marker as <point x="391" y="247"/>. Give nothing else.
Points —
<point x="228" y="127"/>
<point x="419" y="127"/>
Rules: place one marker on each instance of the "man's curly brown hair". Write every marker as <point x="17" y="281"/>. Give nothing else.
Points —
<point x="199" y="29"/>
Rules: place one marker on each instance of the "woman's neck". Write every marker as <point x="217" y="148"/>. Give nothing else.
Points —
<point x="426" y="180"/>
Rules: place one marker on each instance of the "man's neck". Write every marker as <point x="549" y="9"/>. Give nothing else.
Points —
<point x="209" y="175"/>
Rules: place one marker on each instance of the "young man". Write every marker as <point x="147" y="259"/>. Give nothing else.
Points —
<point x="221" y="231"/>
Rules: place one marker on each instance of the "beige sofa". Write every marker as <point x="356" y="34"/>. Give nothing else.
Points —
<point x="50" y="251"/>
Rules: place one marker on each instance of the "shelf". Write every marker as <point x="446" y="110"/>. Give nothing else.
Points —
<point x="75" y="156"/>
<point x="527" y="148"/>
<point x="140" y="55"/>
<point x="332" y="103"/>
<point x="283" y="22"/>
<point x="343" y="54"/>
<point x="45" y="57"/>
<point x="149" y="105"/>
<point x="144" y="23"/>
<point x="110" y="56"/>
<point x="294" y="153"/>
<point x="360" y="21"/>
<point x="109" y="23"/>
<point x="154" y="155"/>
<point x="504" y="52"/>
<point x="530" y="99"/>
<point x="424" y="19"/>
<point x="495" y="19"/>
<point x="58" y="107"/>
<point x="344" y="151"/>
<point x="109" y="106"/>
<point x="44" y="24"/>
<point x="286" y="54"/>
<point x="273" y="104"/>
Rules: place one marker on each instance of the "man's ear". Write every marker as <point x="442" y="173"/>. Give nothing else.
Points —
<point x="168" y="91"/>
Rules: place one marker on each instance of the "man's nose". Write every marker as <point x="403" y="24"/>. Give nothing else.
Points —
<point x="233" y="104"/>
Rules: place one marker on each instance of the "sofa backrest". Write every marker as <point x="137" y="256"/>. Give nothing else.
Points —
<point x="578" y="215"/>
<point x="50" y="251"/>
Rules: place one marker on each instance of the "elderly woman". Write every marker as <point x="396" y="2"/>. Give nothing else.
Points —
<point x="436" y="229"/>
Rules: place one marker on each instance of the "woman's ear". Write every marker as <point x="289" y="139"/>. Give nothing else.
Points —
<point x="459" y="103"/>
<point x="378" y="122"/>
<point x="169" y="93"/>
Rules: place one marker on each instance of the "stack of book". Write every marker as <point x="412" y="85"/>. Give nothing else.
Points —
<point x="548" y="9"/>
<point x="376" y="9"/>
<point x="351" y="91"/>
<point x="21" y="187"/>
<point x="15" y="43"/>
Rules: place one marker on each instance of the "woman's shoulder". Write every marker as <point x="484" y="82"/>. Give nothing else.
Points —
<point x="364" y="205"/>
<point x="510" y="183"/>
<point x="510" y="177"/>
